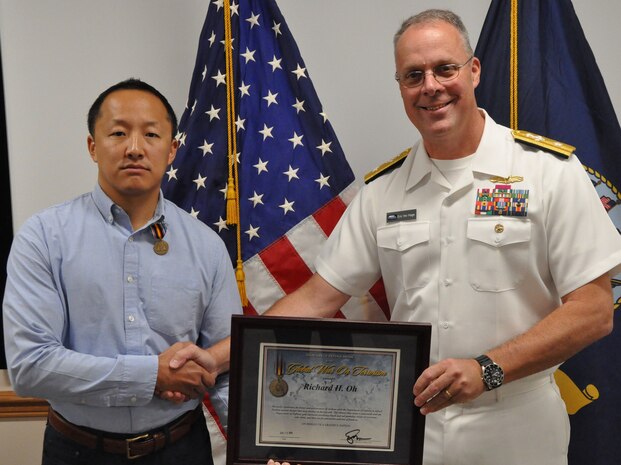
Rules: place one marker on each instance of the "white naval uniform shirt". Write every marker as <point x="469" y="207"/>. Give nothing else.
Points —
<point x="479" y="280"/>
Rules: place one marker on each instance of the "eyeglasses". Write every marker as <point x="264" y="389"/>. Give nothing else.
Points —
<point x="441" y="73"/>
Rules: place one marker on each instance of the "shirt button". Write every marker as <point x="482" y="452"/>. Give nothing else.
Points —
<point x="131" y="318"/>
<point x="499" y="228"/>
<point x="133" y="400"/>
<point x="110" y="219"/>
<point x="444" y="324"/>
<point x="131" y="239"/>
<point x="447" y="282"/>
<point x="130" y="279"/>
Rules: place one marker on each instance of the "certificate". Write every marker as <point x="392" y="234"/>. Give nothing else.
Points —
<point x="327" y="396"/>
<point x="317" y="391"/>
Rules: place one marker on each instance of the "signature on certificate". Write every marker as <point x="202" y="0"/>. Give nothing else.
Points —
<point x="352" y="436"/>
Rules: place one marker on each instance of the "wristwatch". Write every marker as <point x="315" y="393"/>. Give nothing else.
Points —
<point x="491" y="373"/>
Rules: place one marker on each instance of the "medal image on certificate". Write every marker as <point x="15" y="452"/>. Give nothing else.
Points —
<point x="325" y="396"/>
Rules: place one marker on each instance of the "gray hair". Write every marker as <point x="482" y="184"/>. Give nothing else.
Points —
<point x="431" y="16"/>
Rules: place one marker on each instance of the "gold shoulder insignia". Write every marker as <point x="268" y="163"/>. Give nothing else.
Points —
<point x="558" y="148"/>
<point x="386" y="167"/>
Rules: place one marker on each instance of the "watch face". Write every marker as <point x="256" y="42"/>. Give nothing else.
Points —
<point x="493" y="376"/>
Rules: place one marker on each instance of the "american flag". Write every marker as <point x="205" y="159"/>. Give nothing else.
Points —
<point x="294" y="180"/>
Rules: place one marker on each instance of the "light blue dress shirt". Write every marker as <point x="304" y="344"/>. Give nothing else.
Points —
<point x="89" y="305"/>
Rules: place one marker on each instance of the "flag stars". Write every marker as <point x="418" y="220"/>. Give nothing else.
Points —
<point x="213" y="113"/>
<point x="204" y="73"/>
<point x="211" y="39"/>
<point x="270" y="98"/>
<point x="244" y="89"/>
<point x="234" y="9"/>
<point x="194" y="213"/>
<point x="252" y="232"/>
<point x="267" y="132"/>
<point x="239" y="123"/>
<point x="276" y="29"/>
<point x="296" y="140"/>
<point x="287" y="206"/>
<point x="291" y="173"/>
<point x="261" y="166"/>
<point x="206" y="148"/>
<point x="199" y="181"/>
<point x="172" y="172"/>
<point x="275" y="63"/>
<point x="323" y="181"/>
<point x="181" y="138"/>
<point x="324" y="116"/>
<point x="219" y="3"/>
<point x="253" y="20"/>
<point x="221" y="224"/>
<point x="299" y="106"/>
<point x="219" y="78"/>
<point x="324" y="147"/>
<point x="299" y="72"/>
<point x="226" y="186"/>
<point x="249" y="55"/>
<point x="256" y="199"/>
<point x="223" y="42"/>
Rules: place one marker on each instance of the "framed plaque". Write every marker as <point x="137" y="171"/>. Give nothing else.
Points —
<point x="319" y="391"/>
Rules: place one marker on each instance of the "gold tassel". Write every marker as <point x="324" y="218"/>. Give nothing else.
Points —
<point x="241" y="285"/>
<point x="231" y="203"/>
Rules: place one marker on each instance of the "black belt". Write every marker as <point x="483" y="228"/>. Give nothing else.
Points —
<point x="133" y="446"/>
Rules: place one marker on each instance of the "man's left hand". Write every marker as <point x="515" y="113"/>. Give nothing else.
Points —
<point x="448" y="382"/>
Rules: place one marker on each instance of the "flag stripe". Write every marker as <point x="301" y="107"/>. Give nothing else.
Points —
<point x="328" y="215"/>
<point x="379" y="295"/>
<point x="286" y="265"/>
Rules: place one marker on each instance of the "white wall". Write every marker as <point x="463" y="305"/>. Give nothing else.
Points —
<point x="58" y="55"/>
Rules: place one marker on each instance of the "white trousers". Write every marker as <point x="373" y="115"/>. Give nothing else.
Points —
<point x="521" y="423"/>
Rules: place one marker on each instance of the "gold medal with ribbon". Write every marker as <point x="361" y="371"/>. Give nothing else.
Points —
<point x="159" y="231"/>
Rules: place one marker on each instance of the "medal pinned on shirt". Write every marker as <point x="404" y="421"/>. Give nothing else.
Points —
<point x="159" y="231"/>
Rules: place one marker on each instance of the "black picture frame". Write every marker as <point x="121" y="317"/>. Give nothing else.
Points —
<point x="248" y="333"/>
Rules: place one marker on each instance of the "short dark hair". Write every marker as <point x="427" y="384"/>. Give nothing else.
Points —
<point x="434" y="15"/>
<point x="129" y="84"/>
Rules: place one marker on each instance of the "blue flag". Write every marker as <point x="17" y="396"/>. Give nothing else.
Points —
<point x="293" y="174"/>
<point x="540" y="75"/>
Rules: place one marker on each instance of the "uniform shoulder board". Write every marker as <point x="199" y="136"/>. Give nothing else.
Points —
<point x="558" y="148"/>
<point x="387" y="167"/>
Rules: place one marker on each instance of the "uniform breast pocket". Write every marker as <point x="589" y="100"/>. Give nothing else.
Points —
<point x="404" y="253"/>
<point x="498" y="252"/>
<point x="173" y="306"/>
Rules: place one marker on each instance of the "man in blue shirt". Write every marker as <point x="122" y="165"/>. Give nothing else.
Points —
<point x="102" y="290"/>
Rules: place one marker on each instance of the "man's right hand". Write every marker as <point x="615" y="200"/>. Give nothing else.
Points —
<point x="188" y="381"/>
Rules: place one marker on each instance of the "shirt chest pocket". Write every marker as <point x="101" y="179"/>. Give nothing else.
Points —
<point x="498" y="252"/>
<point x="173" y="308"/>
<point x="404" y="253"/>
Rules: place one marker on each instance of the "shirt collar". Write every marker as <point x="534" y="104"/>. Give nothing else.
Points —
<point x="109" y="210"/>
<point x="486" y="159"/>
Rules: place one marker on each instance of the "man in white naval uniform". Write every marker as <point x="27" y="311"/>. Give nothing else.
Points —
<point x="503" y="247"/>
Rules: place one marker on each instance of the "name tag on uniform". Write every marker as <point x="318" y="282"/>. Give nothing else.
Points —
<point x="404" y="215"/>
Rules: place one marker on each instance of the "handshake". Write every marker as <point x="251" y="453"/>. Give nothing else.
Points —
<point x="186" y="371"/>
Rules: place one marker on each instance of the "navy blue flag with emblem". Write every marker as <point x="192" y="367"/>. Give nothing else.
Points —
<point x="539" y="74"/>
